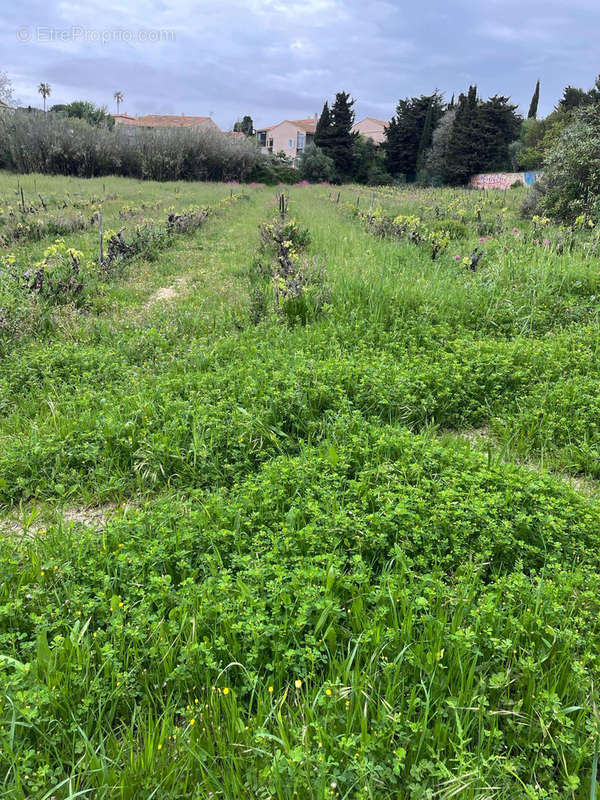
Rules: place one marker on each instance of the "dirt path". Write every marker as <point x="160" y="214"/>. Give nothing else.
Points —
<point x="32" y="520"/>
<point x="170" y="292"/>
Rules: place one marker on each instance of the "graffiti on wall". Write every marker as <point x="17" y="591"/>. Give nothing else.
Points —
<point x="503" y="180"/>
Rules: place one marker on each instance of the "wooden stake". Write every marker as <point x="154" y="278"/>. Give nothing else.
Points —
<point x="100" y="238"/>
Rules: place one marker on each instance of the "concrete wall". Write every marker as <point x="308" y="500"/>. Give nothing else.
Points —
<point x="502" y="180"/>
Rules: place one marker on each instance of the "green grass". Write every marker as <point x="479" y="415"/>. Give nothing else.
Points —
<point x="355" y="558"/>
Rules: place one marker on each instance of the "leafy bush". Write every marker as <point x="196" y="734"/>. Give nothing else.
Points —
<point x="57" y="277"/>
<point x="297" y="285"/>
<point x="272" y="171"/>
<point x="453" y="227"/>
<point x="84" y="109"/>
<point x="572" y="169"/>
<point x="37" y="227"/>
<point x="315" y="165"/>
<point x="145" y="240"/>
<point x="188" y="220"/>
<point x="534" y="199"/>
<point x="51" y="144"/>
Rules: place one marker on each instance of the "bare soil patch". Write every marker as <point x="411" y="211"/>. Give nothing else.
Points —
<point x="33" y="520"/>
<point x="168" y="293"/>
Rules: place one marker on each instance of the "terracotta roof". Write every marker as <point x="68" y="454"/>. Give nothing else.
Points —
<point x="169" y="121"/>
<point x="307" y="125"/>
<point x="372" y="119"/>
<point x="125" y="119"/>
<point x="163" y="121"/>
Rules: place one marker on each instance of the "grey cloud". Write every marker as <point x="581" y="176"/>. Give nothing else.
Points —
<point x="283" y="58"/>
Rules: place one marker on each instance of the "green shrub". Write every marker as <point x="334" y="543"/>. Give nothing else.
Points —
<point x="273" y="172"/>
<point x="453" y="227"/>
<point x="48" y="143"/>
<point x="572" y="169"/>
<point x="315" y="165"/>
<point x="58" y="277"/>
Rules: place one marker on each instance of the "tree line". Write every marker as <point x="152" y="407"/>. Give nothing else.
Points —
<point x="428" y="141"/>
<point x="433" y="142"/>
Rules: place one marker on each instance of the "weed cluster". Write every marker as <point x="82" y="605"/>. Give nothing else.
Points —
<point x="39" y="227"/>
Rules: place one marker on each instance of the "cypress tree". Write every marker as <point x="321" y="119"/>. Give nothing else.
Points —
<point x="499" y="126"/>
<point x="245" y="125"/>
<point x="323" y="129"/>
<point x="573" y="97"/>
<point x="533" y="106"/>
<point x="480" y="137"/>
<point x="436" y="158"/>
<point x="425" y="140"/>
<point x="340" y="144"/>
<point x="409" y="133"/>
<point x="460" y="153"/>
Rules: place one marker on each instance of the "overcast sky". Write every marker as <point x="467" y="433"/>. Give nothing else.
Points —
<point x="276" y="59"/>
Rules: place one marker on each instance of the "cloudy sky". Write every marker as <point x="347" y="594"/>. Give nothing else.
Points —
<point x="278" y="59"/>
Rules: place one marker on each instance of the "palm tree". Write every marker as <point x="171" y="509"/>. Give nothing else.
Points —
<point x="44" y="89"/>
<point x="118" y="96"/>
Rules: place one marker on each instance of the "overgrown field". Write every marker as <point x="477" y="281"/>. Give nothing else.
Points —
<point x="299" y="494"/>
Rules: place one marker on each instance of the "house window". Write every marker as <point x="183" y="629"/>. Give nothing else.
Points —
<point x="300" y="141"/>
<point x="291" y="144"/>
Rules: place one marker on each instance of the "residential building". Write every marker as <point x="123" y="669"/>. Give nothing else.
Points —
<point x="125" y="119"/>
<point x="165" y="121"/>
<point x="290" y="136"/>
<point x="371" y="128"/>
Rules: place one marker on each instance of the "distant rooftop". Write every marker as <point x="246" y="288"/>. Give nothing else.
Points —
<point x="164" y="121"/>
<point x="308" y="125"/>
